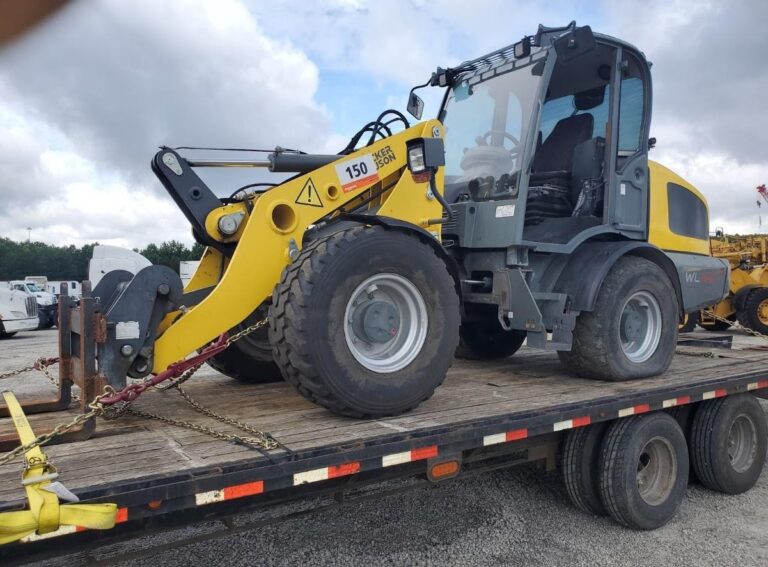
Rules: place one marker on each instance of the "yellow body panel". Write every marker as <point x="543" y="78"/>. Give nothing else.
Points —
<point x="277" y="222"/>
<point x="659" y="232"/>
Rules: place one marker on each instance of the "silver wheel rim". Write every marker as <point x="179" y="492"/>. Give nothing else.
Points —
<point x="742" y="443"/>
<point x="640" y="326"/>
<point x="656" y="471"/>
<point x="385" y="323"/>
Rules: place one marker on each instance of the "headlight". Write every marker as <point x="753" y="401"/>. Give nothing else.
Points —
<point x="416" y="159"/>
<point x="425" y="155"/>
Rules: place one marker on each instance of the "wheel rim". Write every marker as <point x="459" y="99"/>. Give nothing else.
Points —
<point x="385" y="323"/>
<point x="640" y="326"/>
<point x="742" y="443"/>
<point x="762" y="311"/>
<point x="656" y="471"/>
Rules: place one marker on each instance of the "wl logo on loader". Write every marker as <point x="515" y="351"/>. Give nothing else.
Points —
<point x="309" y="195"/>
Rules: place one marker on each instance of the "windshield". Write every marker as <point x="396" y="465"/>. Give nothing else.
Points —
<point x="33" y="288"/>
<point x="485" y="124"/>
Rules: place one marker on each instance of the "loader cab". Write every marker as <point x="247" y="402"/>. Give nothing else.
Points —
<point x="547" y="151"/>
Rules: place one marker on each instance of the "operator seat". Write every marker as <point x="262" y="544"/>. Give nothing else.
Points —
<point x="550" y="192"/>
<point x="554" y="158"/>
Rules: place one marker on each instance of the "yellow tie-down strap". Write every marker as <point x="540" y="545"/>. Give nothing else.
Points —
<point x="46" y="516"/>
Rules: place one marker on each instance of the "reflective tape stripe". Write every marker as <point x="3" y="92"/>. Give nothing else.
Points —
<point x="714" y="394"/>
<point x="571" y="423"/>
<point x="229" y="493"/>
<point x="678" y="401"/>
<point x="409" y="456"/>
<point x="325" y="473"/>
<point x="634" y="410"/>
<point x="506" y="437"/>
<point x="63" y="530"/>
<point x="757" y="385"/>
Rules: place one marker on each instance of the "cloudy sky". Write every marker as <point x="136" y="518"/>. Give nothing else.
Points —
<point x="87" y="97"/>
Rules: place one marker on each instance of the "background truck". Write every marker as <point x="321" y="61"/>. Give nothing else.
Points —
<point x="18" y="312"/>
<point x="47" y="306"/>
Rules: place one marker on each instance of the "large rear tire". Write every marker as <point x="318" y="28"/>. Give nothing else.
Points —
<point x="728" y="443"/>
<point x="643" y="470"/>
<point x="581" y="452"/>
<point x="250" y="358"/>
<point x="365" y="322"/>
<point x="632" y="331"/>
<point x="487" y="341"/>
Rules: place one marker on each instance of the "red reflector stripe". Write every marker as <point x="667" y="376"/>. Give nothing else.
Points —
<point x="762" y="384"/>
<point x="335" y="471"/>
<point x="582" y="421"/>
<point x="424" y="453"/>
<point x="122" y="515"/>
<point x="720" y="393"/>
<point x="241" y="490"/>
<point x="642" y="408"/>
<point x="681" y="400"/>
<point x="517" y="434"/>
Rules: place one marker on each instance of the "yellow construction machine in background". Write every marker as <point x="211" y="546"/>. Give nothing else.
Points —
<point x="747" y="301"/>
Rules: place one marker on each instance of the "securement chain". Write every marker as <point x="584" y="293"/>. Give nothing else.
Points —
<point x="738" y="324"/>
<point x="729" y="322"/>
<point x="258" y="439"/>
<point x="96" y="408"/>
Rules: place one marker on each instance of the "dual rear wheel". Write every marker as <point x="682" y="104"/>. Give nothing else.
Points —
<point x="636" y="469"/>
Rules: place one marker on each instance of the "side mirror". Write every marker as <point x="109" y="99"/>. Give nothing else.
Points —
<point x="415" y="106"/>
<point x="574" y="43"/>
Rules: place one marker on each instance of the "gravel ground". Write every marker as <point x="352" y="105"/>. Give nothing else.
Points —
<point x="518" y="516"/>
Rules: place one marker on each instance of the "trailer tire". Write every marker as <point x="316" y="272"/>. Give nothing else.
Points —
<point x="249" y="359"/>
<point x="643" y="470"/>
<point x="487" y="341"/>
<point x="726" y="459"/>
<point x="632" y="331"/>
<point x="324" y="304"/>
<point x="754" y="314"/>
<point x="580" y="466"/>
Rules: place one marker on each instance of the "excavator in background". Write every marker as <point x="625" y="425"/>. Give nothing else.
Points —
<point x="527" y="210"/>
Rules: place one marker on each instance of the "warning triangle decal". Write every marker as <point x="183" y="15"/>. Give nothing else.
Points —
<point x="309" y="195"/>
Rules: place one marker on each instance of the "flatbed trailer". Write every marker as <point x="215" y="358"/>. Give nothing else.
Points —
<point x="486" y="415"/>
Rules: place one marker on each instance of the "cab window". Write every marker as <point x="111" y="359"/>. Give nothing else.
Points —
<point x="631" y="108"/>
<point x="687" y="213"/>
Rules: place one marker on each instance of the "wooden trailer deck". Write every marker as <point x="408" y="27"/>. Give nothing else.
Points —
<point x="477" y="398"/>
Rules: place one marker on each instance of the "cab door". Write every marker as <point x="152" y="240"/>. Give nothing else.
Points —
<point x="628" y="196"/>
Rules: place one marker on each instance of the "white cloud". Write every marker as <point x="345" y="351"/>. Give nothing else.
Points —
<point x="87" y="98"/>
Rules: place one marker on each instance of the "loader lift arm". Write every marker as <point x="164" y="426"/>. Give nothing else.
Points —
<point x="272" y="228"/>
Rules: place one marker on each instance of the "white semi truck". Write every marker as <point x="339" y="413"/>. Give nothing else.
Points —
<point x="47" y="305"/>
<point x="18" y="312"/>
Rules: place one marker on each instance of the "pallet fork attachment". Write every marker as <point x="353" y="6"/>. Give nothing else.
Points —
<point x="46" y="514"/>
<point x="81" y="327"/>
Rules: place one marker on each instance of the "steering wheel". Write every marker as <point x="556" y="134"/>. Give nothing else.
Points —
<point x="484" y="139"/>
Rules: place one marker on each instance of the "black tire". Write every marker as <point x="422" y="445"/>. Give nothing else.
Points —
<point x="249" y="359"/>
<point x="580" y="465"/>
<point x="307" y="326"/>
<point x="710" y="451"/>
<point x="689" y="322"/>
<point x="749" y="316"/>
<point x="597" y="346"/>
<point x="42" y="320"/>
<point x="626" y="452"/>
<point x="487" y="341"/>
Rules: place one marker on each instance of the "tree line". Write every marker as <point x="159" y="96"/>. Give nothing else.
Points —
<point x="21" y="259"/>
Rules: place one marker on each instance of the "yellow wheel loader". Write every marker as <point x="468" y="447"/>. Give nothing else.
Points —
<point x="527" y="210"/>
<point x="747" y="300"/>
